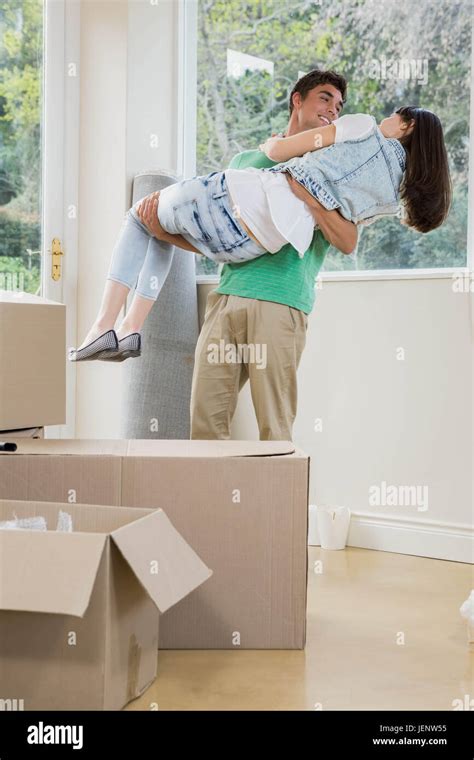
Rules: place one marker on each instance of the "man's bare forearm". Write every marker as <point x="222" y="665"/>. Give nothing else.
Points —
<point x="179" y="241"/>
<point x="147" y="212"/>
<point x="338" y="231"/>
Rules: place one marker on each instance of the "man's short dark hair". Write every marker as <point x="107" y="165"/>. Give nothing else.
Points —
<point x="313" y="79"/>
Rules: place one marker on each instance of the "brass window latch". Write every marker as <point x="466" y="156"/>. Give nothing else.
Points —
<point x="56" y="255"/>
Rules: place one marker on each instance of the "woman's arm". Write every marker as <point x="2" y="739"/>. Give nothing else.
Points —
<point x="283" y="148"/>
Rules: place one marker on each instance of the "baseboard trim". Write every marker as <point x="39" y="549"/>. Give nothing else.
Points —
<point x="404" y="535"/>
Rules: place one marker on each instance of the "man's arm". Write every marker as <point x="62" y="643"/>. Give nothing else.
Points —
<point x="177" y="240"/>
<point x="338" y="231"/>
<point x="147" y="212"/>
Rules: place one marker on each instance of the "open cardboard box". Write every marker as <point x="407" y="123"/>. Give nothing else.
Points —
<point x="79" y="611"/>
<point x="242" y="505"/>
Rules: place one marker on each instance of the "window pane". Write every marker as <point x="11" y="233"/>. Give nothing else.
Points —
<point x="21" y="71"/>
<point x="412" y="52"/>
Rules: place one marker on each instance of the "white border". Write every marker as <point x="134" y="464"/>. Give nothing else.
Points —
<point x="52" y="141"/>
<point x="187" y="87"/>
<point x="61" y="133"/>
<point x="470" y="194"/>
<point x="367" y="274"/>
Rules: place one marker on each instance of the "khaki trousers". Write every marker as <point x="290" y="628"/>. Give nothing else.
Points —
<point x="247" y="339"/>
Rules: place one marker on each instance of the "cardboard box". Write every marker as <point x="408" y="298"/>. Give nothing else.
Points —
<point x="79" y="611"/>
<point x="242" y="505"/>
<point x="33" y="361"/>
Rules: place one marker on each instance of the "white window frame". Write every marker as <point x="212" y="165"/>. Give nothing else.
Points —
<point x="187" y="87"/>
<point x="187" y="95"/>
<point x="60" y="174"/>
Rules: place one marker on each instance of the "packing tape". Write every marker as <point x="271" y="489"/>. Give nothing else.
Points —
<point x="134" y="656"/>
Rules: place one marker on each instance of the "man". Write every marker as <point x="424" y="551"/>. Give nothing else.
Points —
<point x="261" y="307"/>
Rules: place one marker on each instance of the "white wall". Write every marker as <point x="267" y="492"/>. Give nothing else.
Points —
<point x="128" y="125"/>
<point x="384" y="419"/>
<point x="102" y="198"/>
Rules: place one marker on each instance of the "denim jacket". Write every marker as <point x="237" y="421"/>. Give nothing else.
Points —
<point x="360" y="177"/>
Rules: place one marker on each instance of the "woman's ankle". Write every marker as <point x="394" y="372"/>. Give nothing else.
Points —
<point x="126" y="329"/>
<point x="103" y="325"/>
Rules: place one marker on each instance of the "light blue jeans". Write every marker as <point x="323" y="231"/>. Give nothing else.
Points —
<point x="140" y="260"/>
<point x="199" y="209"/>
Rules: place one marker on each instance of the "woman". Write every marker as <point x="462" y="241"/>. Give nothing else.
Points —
<point x="352" y="165"/>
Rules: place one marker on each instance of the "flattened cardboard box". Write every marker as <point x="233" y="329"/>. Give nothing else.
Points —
<point x="79" y="611"/>
<point x="33" y="379"/>
<point x="242" y="505"/>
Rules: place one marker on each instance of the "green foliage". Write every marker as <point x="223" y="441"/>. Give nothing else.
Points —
<point x="236" y="113"/>
<point x="15" y="276"/>
<point x="17" y="235"/>
<point x="21" y="66"/>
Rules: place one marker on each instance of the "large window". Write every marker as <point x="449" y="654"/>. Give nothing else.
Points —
<point x="21" y="71"/>
<point x="395" y="52"/>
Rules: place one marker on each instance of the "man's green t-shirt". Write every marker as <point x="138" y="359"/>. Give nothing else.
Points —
<point x="282" y="277"/>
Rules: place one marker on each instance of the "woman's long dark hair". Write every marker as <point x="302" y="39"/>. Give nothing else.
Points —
<point x="426" y="189"/>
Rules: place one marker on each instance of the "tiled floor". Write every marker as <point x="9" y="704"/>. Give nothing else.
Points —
<point x="384" y="632"/>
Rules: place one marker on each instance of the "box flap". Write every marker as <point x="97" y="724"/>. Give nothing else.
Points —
<point x="46" y="571"/>
<point x="161" y="559"/>
<point x="209" y="449"/>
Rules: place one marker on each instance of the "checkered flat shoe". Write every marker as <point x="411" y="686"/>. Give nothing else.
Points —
<point x="128" y="347"/>
<point x="104" y="344"/>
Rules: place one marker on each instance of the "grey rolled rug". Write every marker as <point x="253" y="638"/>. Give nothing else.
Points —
<point x="157" y="387"/>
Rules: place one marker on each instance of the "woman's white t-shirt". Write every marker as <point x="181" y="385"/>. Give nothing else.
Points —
<point x="268" y="206"/>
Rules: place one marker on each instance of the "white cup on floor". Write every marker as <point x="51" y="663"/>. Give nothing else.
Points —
<point x="333" y="526"/>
